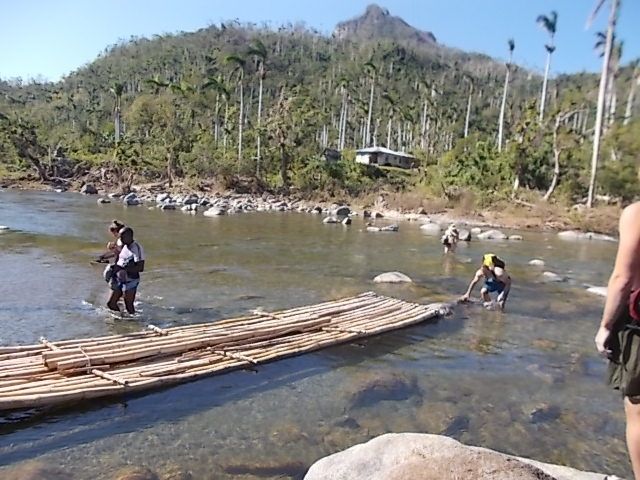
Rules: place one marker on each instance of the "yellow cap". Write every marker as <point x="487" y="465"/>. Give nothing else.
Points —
<point x="487" y="259"/>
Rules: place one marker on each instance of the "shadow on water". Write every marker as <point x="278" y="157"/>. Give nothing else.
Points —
<point x="30" y="433"/>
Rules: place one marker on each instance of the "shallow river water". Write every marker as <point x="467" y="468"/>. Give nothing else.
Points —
<point x="527" y="382"/>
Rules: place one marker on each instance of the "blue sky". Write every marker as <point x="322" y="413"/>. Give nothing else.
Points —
<point x="54" y="37"/>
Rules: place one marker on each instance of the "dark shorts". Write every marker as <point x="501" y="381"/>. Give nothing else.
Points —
<point x="624" y="364"/>
<point x="493" y="285"/>
<point x="131" y="284"/>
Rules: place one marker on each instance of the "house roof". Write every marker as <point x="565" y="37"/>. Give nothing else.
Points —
<point x="384" y="150"/>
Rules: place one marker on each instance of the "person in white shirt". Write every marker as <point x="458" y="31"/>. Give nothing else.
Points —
<point x="126" y="275"/>
<point x="450" y="239"/>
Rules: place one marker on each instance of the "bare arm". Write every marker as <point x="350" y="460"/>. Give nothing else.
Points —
<point x="506" y="279"/>
<point x="623" y="275"/>
<point x="473" y="283"/>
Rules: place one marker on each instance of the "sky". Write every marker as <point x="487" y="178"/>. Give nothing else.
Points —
<point x="51" y="38"/>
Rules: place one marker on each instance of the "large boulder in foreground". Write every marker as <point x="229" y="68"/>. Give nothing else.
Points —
<point x="492" y="235"/>
<point x="574" y="235"/>
<point x="392" y="277"/>
<point x="409" y="456"/>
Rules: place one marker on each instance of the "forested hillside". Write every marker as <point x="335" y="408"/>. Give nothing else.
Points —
<point x="244" y="100"/>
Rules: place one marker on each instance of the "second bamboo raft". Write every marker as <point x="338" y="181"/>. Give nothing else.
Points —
<point x="53" y="373"/>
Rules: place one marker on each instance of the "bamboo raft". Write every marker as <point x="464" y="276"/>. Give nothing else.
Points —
<point x="54" y="373"/>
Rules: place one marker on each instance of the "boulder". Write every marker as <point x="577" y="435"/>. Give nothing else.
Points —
<point x="372" y="388"/>
<point x="400" y="456"/>
<point x="464" y="235"/>
<point x="190" y="207"/>
<point x="346" y="221"/>
<point x="102" y="201"/>
<point x="601" y="291"/>
<point x="341" y="211"/>
<point x="476" y="230"/>
<point x="114" y="195"/>
<point x="366" y="213"/>
<point x="517" y="238"/>
<point x="4" y="228"/>
<point x="377" y="215"/>
<point x="553" y="277"/>
<point x="163" y="197"/>
<point x="36" y="470"/>
<point x="536" y="262"/>
<point x="215" y="212"/>
<point x="392" y="277"/>
<point x="492" y="235"/>
<point x="330" y="220"/>
<point x="430" y="228"/>
<point x="574" y="235"/>
<point x="88" y="189"/>
<point x="390" y="228"/>
<point x="168" y="206"/>
<point x="412" y="217"/>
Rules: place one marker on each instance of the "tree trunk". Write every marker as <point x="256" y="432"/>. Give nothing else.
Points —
<point x="543" y="95"/>
<point x="240" y="123"/>
<point x="259" y="119"/>
<point x="216" y="127"/>
<point x="502" y="108"/>
<point x="630" y="99"/>
<point x="423" y="130"/>
<point x="597" y="130"/>
<point x="389" y="133"/>
<point x="466" y="120"/>
<point x="368" y="131"/>
<point x="284" y="166"/>
<point x="556" y="161"/>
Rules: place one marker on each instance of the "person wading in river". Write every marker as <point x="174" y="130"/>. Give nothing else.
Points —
<point x="113" y="247"/>
<point x="496" y="279"/>
<point x="618" y="337"/>
<point x="126" y="273"/>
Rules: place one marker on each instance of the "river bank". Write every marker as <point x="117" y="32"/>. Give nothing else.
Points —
<point x="508" y="214"/>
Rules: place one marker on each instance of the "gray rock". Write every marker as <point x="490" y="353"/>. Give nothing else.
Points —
<point x="492" y="235"/>
<point x="215" y="212"/>
<point x="366" y="213"/>
<point x="574" y="235"/>
<point x="400" y="456"/>
<point x="430" y="228"/>
<point x="464" y="235"/>
<point x="390" y="228"/>
<point x="168" y="206"/>
<point x="377" y="215"/>
<point x="163" y="197"/>
<point x="536" y="262"/>
<point x="476" y="230"/>
<point x="328" y="220"/>
<point x="114" y="195"/>
<point x="346" y="221"/>
<point x="341" y="211"/>
<point x="131" y="200"/>
<point x="89" y="189"/>
<point x="553" y="277"/>
<point x="379" y="387"/>
<point x="102" y="201"/>
<point x="515" y="237"/>
<point x="392" y="277"/>
<point x="191" y="207"/>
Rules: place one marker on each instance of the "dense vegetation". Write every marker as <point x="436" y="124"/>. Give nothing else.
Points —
<point x="236" y="100"/>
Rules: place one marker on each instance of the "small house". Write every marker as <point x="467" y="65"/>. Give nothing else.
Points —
<point x="385" y="157"/>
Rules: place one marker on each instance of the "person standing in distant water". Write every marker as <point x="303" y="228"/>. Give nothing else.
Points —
<point x="113" y="247"/>
<point x="126" y="274"/>
<point x="618" y="337"/>
<point x="450" y="239"/>
<point x="496" y="280"/>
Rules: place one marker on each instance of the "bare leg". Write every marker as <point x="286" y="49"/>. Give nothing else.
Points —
<point x="632" y="411"/>
<point x="112" y="304"/>
<point x="485" y="295"/>
<point x="129" y="298"/>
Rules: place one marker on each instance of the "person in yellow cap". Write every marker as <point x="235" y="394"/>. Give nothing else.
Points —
<point x="496" y="280"/>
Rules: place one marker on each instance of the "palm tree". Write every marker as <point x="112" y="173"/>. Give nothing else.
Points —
<point x="512" y="46"/>
<point x="217" y="85"/>
<point x="635" y="81"/>
<point x="343" y="83"/>
<point x="238" y="69"/>
<point x="371" y="69"/>
<point x="549" y="24"/>
<point x="597" y="129"/>
<point x="117" y="89"/>
<point x="260" y="51"/>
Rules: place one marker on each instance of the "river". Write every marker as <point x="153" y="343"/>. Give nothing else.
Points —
<point x="526" y="382"/>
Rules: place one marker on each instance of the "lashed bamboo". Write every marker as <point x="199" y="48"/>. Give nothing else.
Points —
<point x="67" y="370"/>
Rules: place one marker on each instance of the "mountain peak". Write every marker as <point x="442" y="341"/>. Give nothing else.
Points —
<point x="377" y="23"/>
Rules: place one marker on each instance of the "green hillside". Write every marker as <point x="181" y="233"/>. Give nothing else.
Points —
<point x="241" y="100"/>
